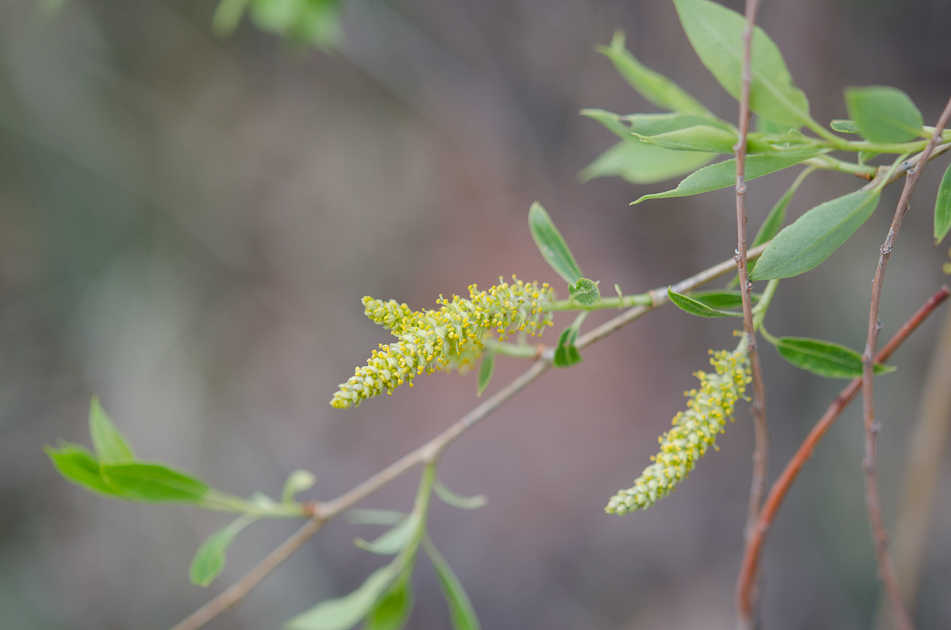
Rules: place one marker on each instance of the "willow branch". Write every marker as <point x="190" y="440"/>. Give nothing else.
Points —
<point x="761" y="438"/>
<point x="885" y="570"/>
<point x="781" y="486"/>
<point x="431" y="450"/>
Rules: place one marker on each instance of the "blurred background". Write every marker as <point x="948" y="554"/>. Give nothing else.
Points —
<point x="188" y="223"/>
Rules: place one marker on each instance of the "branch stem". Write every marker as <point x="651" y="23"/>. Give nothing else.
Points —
<point x="779" y="489"/>
<point x="885" y="569"/>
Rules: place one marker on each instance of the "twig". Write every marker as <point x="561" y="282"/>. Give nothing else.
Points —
<point x="324" y="511"/>
<point x="885" y="570"/>
<point x="922" y="465"/>
<point x="761" y="437"/>
<point x="782" y="485"/>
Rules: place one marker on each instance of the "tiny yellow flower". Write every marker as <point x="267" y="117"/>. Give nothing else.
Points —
<point x="452" y="337"/>
<point x="693" y="431"/>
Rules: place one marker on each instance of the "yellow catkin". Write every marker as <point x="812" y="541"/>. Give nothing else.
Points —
<point x="450" y="338"/>
<point x="694" y="431"/>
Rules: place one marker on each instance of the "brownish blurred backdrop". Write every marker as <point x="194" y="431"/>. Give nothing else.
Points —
<point x="188" y="223"/>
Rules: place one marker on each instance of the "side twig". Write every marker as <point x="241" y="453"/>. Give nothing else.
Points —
<point x="430" y="451"/>
<point x="781" y="486"/>
<point x="761" y="441"/>
<point x="885" y="570"/>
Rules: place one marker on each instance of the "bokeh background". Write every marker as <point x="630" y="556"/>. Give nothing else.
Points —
<point x="188" y="223"/>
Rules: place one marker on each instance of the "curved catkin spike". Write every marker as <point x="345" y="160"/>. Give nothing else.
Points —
<point x="694" y="431"/>
<point x="451" y="338"/>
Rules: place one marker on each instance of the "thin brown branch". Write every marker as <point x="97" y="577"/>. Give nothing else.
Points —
<point x="885" y="570"/>
<point x="781" y="486"/>
<point x="324" y="511"/>
<point x="761" y="437"/>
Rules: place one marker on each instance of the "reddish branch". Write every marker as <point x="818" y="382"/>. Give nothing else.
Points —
<point x="780" y="488"/>
<point x="758" y="482"/>
<point x="885" y="570"/>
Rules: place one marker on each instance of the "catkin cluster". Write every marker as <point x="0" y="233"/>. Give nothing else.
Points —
<point x="694" y="431"/>
<point x="452" y="337"/>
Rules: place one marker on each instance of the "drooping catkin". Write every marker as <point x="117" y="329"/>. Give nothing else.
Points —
<point x="449" y="338"/>
<point x="694" y="430"/>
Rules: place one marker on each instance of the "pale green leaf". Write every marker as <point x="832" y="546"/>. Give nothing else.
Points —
<point x="461" y="612"/>
<point x="716" y="33"/>
<point x="551" y="244"/>
<point x="695" y="307"/>
<point x="640" y="163"/>
<point x="345" y="612"/>
<point x="723" y="174"/>
<point x="698" y="138"/>
<point x="884" y="114"/>
<point x="393" y="609"/>
<point x="375" y="517"/>
<point x="298" y="481"/>
<point x="463" y="503"/>
<point x="394" y="540"/>
<point x="824" y="358"/>
<point x="653" y="86"/>
<point x="844" y="126"/>
<point x="110" y="446"/>
<point x="485" y="371"/>
<point x="942" y="208"/>
<point x="209" y="560"/>
<point x="814" y="236"/>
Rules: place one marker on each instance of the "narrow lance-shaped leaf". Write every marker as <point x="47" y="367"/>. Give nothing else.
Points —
<point x="723" y="174"/>
<point x="722" y="300"/>
<point x="884" y="114"/>
<point x="640" y="163"/>
<point x="716" y="33"/>
<point x="844" y="126"/>
<point x="110" y="446"/>
<point x="695" y="307"/>
<point x="813" y="237"/>
<point x="653" y="86"/>
<point x="551" y="244"/>
<point x="78" y="465"/>
<point x="394" y="540"/>
<point x="451" y="498"/>
<point x="485" y="371"/>
<point x="461" y="612"/>
<point x="345" y="612"/>
<point x="142" y="481"/>
<point x="209" y="560"/>
<point x="393" y="609"/>
<point x="824" y="358"/>
<point x="697" y="138"/>
<point x="942" y="208"/>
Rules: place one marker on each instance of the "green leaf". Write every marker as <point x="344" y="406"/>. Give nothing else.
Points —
<point x="942" y="208"/>
<point x="656" y="124"/>
<point x="78" y="465"/>
<point x="723" y="174"/>
<point x="566" y="354"/>
<point x="110" y="446"/>
<point x="640" y="163"/>
<point x="345" y="612"/>
<point x="297" y="481"/>
<point x="227" y="16"/>
<point x="695" y="307"/>
<point x="844" y="126"/>
<point x="485" y="371"/>
<point x="653" y="86"/>
<point x="884" y="114"/>
<point x="611" y="121"/>
<point x="551" y="244"/>
<point x="394" y="540"/>
<point x="461" y="612"/>
<point x="814" y="236"/>
<point x="776" y="217"/>
<point x="393" y="609"/>
<point x="141" y="481"/>
<point x="375" y="517"/>
<point x="209" y="560"/>
<point x="721" y="300"/>
<point x="463" y="503"/>
<point x="585" y="292"/>
<point x="716" y="33"/>
<point x="824" y="358"/>
<point x="698" y="138"/>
